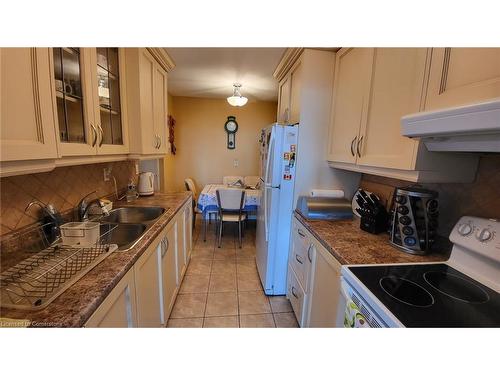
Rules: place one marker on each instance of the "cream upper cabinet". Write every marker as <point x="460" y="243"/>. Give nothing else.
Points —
<point x="373" y="89"/>
<point x="147" y="100"/>
<point x="284" y="100"/>
<point x="350" y="99"/>
<point x="295" y="91"/>
<point x="396" y="90"/>
<point x="289" y="90"/>
<point x="463" y="75"/>
<point x="26" y="112"/>
<point x="160" y="108"/>
<point x="109" y="90"/>
<point x="87" y="99"/>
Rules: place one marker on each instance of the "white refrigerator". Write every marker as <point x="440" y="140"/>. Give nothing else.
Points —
<point x="278" y="150"/>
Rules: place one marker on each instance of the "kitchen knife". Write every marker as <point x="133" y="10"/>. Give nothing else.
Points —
<point x="367" y="198"/>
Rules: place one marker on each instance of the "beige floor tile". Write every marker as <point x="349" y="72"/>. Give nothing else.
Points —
<point x="223" y="282"/>
<point x="225" y="253"/>
<point x="246" y="266"/>
<point x="222" y="304"/>
<point x="185" y="323"/>
<point x="253" y="303"/>
<point x="280" y="304"/>
<point x="194" y="284"/>
<point x="246" y="253"/>
<point x="224" y="266"/>
<point x="199" y="267"/>
<point x="257" y="321"/>
<point x="285" y="320"/>
<point x="248" y="282"/>
<point x="189" y="306"/>
<point x="221" y="322"/>
<point x="208" y="244"/>
<point x="202" y="253"/>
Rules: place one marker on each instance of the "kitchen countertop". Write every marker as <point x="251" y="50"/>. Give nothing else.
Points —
<point x="78" y="303"/>
<point x="350" y="245"/>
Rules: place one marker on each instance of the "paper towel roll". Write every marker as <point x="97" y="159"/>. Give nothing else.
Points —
<point x="327" y="193"/>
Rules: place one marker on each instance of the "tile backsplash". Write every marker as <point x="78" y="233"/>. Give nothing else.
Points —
<point x="63" y="188"/>
<point x="480" y="198"/>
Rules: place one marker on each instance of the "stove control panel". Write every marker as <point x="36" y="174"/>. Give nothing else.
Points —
<point x="478" y="235"/>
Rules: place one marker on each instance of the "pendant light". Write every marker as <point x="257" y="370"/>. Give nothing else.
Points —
<point x="237" y="100"/>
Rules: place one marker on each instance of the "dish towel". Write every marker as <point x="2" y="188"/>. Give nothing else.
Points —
<point x="353" y="317"/>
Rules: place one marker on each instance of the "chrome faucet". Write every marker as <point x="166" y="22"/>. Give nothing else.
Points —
<point x="83" y="207"/>
<point x="51" y="219"/>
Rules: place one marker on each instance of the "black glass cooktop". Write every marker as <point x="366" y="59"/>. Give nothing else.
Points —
<point x="432" y="295"/>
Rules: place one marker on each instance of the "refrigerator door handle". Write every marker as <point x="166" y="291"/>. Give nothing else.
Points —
<point x="266" y="183"/>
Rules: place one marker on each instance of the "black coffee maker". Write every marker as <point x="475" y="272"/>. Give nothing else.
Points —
<point x="414" y="219"/>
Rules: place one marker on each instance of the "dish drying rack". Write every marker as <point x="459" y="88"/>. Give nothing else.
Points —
<point x="39" y="279"/>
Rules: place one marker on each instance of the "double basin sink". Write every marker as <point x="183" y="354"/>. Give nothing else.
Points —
<point x="125" y="226"/>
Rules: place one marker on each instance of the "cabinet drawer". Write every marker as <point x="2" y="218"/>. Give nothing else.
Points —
<point x="300" y="255"/>
<point x="296" y="295"/>
<point x="300" y="263"/>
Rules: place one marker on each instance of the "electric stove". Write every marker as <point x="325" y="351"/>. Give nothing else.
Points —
<point x="461" y="292"/>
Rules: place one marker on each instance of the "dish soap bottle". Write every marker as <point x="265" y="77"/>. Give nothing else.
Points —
<point x="131" y="191"/>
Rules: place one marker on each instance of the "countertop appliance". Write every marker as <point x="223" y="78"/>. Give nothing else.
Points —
<point x="278" y="150"/>
<point x="469" y="128"/>
<point x="461" y="292"/>
<point x="414" y="219"/>
<point x="146" y="183"/>
<point x="324" y="208"/>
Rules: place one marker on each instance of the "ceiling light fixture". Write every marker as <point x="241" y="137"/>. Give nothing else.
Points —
<point x="237" y="100"/>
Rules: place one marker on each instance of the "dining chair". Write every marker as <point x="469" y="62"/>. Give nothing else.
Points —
<point x="251" y="180"/>
<point x="231" y="203"/>
<point x="190" y="186"/>
<point x="228" y="180"/>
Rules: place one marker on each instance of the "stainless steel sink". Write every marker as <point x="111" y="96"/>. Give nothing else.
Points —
<point x="124" y="235"/>
<point x="133" y="214"/>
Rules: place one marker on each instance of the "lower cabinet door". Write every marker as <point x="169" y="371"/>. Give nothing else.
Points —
<point x="325" y="289"/>
<point x="147" y="283"/>
<point x="296" y="295"/>
<point x="181" y="246"/>
<point x="118" y="310"/>
<point x="169" y="271"/>
<point x="188" y="229"/>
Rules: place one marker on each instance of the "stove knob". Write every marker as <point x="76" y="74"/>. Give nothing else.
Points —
<point x="464" y="229"/>
<point x="484" y="235"/>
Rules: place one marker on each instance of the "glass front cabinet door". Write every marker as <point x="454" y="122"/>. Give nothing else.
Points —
<point x="87" y="101"/>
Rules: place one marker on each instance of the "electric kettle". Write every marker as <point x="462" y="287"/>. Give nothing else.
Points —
<point x="146" y="183"/>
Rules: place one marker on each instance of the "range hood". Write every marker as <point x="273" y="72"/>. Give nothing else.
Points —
<point x="470" y="128"/>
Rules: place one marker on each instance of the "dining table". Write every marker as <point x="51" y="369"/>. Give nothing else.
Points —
<point x="207" y="201"/>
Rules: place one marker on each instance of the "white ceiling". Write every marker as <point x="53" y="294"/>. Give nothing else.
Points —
<point x="211" y="72"/>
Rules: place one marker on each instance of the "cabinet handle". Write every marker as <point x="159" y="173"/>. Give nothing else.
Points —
<point x="358" y="147"/>
<point x="301" y="234"/>
<point x="309" y="253"/>
<point x="102" y="134"/>
<point x="164" y="247"/>
<point x="352" y="146"/>
<point x="95" y="135"/>
<point x="294" y="293"/>
<point x="298" y="259"/>
<point x="159" y="139"/>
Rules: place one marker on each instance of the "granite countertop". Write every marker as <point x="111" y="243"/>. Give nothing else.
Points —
<point x="350" y="245"/>
<point x="78" y="303"/>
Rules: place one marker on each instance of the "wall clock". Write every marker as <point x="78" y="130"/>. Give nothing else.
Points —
<point x="231" y="127"/>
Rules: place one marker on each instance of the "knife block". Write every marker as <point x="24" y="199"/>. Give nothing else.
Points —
<point x="375" y="223"/>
